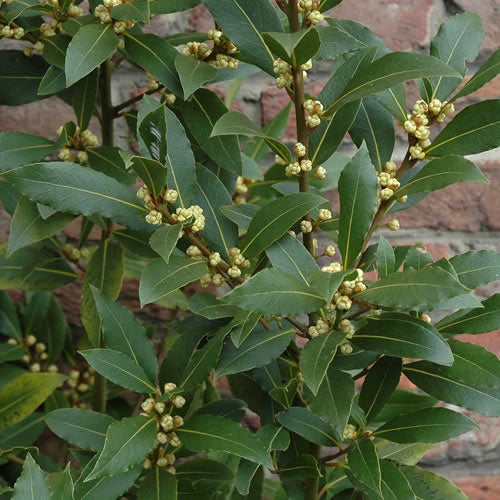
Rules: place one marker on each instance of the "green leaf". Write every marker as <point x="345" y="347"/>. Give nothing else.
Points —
<point x="394" y="485"/>
<point x="209" y="306"/>
<point x="152" y="131"/>
<point x="364" y="466"/>
<point x="193" y="73"/>
<point x="84" y="98"/>
<point x="203" y="468"/>
<point x="274" y="293"/>
<point x="91" y="45"/>
<point x="11" y="352"/>
<point x="402" y="402"/>
<point x="127" y="444"/>
<point x="235" y="123"/>
<point x="55" y="48"/>
<point x="389" y="70"/>
<point x="375" y="126"/>
<point x="275" y="219"/>
<point x="307" y="425"/>
<point x="28" y="226"/>
<point x="83" y="428"/>
<point x="18" y="148"/>
<point x="457" y="41"/>
<point x="210" y="432"/>
<point x="259" y="349"/>
<point x="484" y="74"/>
<point x="316" y="357"/>
<point x="52" y="82"/>
<point x="31" y="483"/>
<point x="200" y="114"/>
<point x="379" y="385"/>
<point x="295" y="48"/>
<point x="159" y="278"/>
<point x="358" y="199"/>
<point x="440" y="173"/>
<point x="158" y="483"/>
<point x="430" y="425"/>
<point x="137" y="10"/>
<point x="420" y="289"/>
<point x="398" y="334"/>
<point x="477" y="268"/>
<point x="170" y="6"/>
<point x="61" y="485"/>
<point x="70" y="188"/>
<point x="244" y="21"/>
<point x="211" y="195"/>
<point x="426" y="484"/>
<point x="202" y="362"/>
<point x="385" y="258"/>
<point x="246" y="322"/>
<point x="334" y="399"/>
<point x="24" y="394"/>
<point x="257" y="148"/>
<point x="164" y="240"/>
<point x="155" y="55"/>
<point x="325" y="283"/>
<point x="9" y="322"/>
<point x="474" y="130"/>
<point x="108" y="160"/>
<point x="432" y="380"/>
<point x="20" y="77"/>
<point x="408" y="454"/>
<point x="479" y="320"/>
<point x="241" y="215"/>
<point x="120" y="369"/>
<point x="152" y="172"/>
<point x="122" y="332"/>
<point x="291" y="257"/>
<point x="104" y="271"/>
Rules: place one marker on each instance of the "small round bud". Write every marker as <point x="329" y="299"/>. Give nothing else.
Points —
<point x="417" y="153"/>
<point x="333" y="267"/>
<point x="31" y="340"/>
<point x="82" y="157"/>
<point x="12" y="342"/>
<point x="410" y="126"/>
<point x="393" y="184"/>
<point x="152" y="84"/>
<point x="193" y="251"/>
<point x="52" y="369"/>
<point x="315" y="17"/>
<point x="324" y="214"/>
<point x="313" y="332"/>
<point x="174" y="440"/>
<point x="280" y="161"/>
<point x="25" y="358"/>
<point x="171" y="196"/>
<point x="393" y="225"/>
<point x="178" y="421"/>
<point x="160" y="407"/>
<point x="313" y="121"/>
<point x="147" y="463"/>
<point x="44" y="356"/>
<point x="306" y="165"/>
<point x="300" y="150"/>
<point x="426" y="318"/>
<point x="320" y="173"/>
<point x="40" y="347"/>
<point x="218" y="280"/>
<point x="161" y="437"/>
<point x="169" y="387"/>
<point x="343" y="303"/>
<point x="170" y="470"/>
<point x="306" y="226"/>
<point x="349" y="432"/>
<point x="178" y="401"/>
<point x="386" y="194"/>
<point x="35" y="367"/>
<point x="214" y="259"/>
<point x="167" y="423"/>
<point x="162" y="462"/>
<point x="384" y="179"/>
<point x="330" y="251"/>
<point x="28" y="51"/>
<point x="38" y="47"/>
<point x="402" y="199"/>
<point x="170" y="458"/>
<point x="206" y="280"/>
<point x="83" y="387"/>
<point x="234" y="271"/>
<point x="148" y="405"/>
<point x="346" y="348"/>
<point x="435" y="106"/>
<point x="74" y="374"/>
<point x="390" y="167"/>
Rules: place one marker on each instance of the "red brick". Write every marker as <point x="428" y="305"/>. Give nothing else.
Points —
<point x="489" y="10"/>
<point x="480" y="487"/>
<point x="402" y="24"/>
<point x="489" y="340"/>
<point x="200" y="19"/>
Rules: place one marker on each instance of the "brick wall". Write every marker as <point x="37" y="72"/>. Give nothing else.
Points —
<point x="455" y="220"/>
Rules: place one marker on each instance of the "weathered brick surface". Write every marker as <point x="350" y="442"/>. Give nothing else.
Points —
<point x="480" y="487"/>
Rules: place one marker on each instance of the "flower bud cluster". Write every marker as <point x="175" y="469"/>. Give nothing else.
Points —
<point x="349" y="433"/>
<point x="81" y="140"/>
<point x="314" y="109"/>
<point x="8" y="32"/>
<point x="330" y="251"/>
<point x="241" y="188"/>
<point x="393" y="225"/>
<point x="78" y="384"/>
<point x="225" y="49"/>
<point x="306" y="226"/>
<point x="284" y="70"/>
<point x="388" y="183"/>
<point x="319" y="328"/>
<point x="35" y="353"/>
<point x="73" y="254"/>
<point x="103" y="13"/>
<point x="166" y="425"/>
<point x="310" y="9"/>
<point x="333" y="267"/>
<point x="346" y="327"/>
<point x="170" y="196"/>
<point x="238" y="262"/>
<point x="192" y="216"/>
<point x="324" y="214"/>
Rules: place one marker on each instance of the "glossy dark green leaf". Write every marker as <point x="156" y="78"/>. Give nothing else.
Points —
<point x="152" y="172"/>
<point x="70" y="188"/>
<point x="429" y="425"/>
<point x="127" y="444"/>
<point x="10" y="352"/>
<point x="28" y="226"/>
<point x="427" y="484"/>
<point x="245" y="323"/>
<point x="20" y="77"/>
<point x="235" y="123"/>
<point x="159" y="278"/>
<point x="209" y="306"/>
<point x="137" y="10"/>
<point x="31" y="483"/>
<point x="18" y="148"/>
<point x="104" y="271"/>
<point x="402" y="335"/>
<point x="107" y="159"/>
<point x="241" y="215"/>
<point x="365" y="466"/>
<point x="84" y="98"/>
<point x="211" y="195"/>
<point x="334" y="399"/>
<point x="122" y="332"/>
<point x="91" y="45"/>
<point x="479" y="320"/>
<point x="257" y="350"/>
<point x="327" y="284"/>
<point x="164" y="240"/>
<point x="394" y="485"/>
<point x="316" y="357"/>
<point x="375" y="126"/>
<point x="206" y="432"/>
<point x="420" y="289"/>
<point x="52" y="82"/>
<point x="9" y="322"/>
<point x="385" y="258"/>
<point x="358" y="198"/>
<point x="155" y="55"/>
<point x="120" y="369"/>
<point x="474" y="130"/>
<point x="244" y="21"/>
<point x="379" y="385"/>
<point x="61" y="485"/>
<point x="158" y="483"/>
<point x="432" y="380"/>
<point x="170" y="6"/>
<point x="402" y="402"/>
<point x="457" y="41"/>
<point x="484" y="74"/>
<point x="83" y="428"/>
<point x="203" y="468"/>
<point x="307" y="425"/>
<point x="19" y="398"/>
<point x="477" y="268"/>
<point x="272" y="292"/>
<point x="275" y="219"/>
<point x="295" y="48"/>
<point x="193" y="73"/>
<point x="54" y="51"/>
<point x="440" y="173"/>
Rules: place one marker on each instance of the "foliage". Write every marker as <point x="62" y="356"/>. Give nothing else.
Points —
<point x="202" y="196"/>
